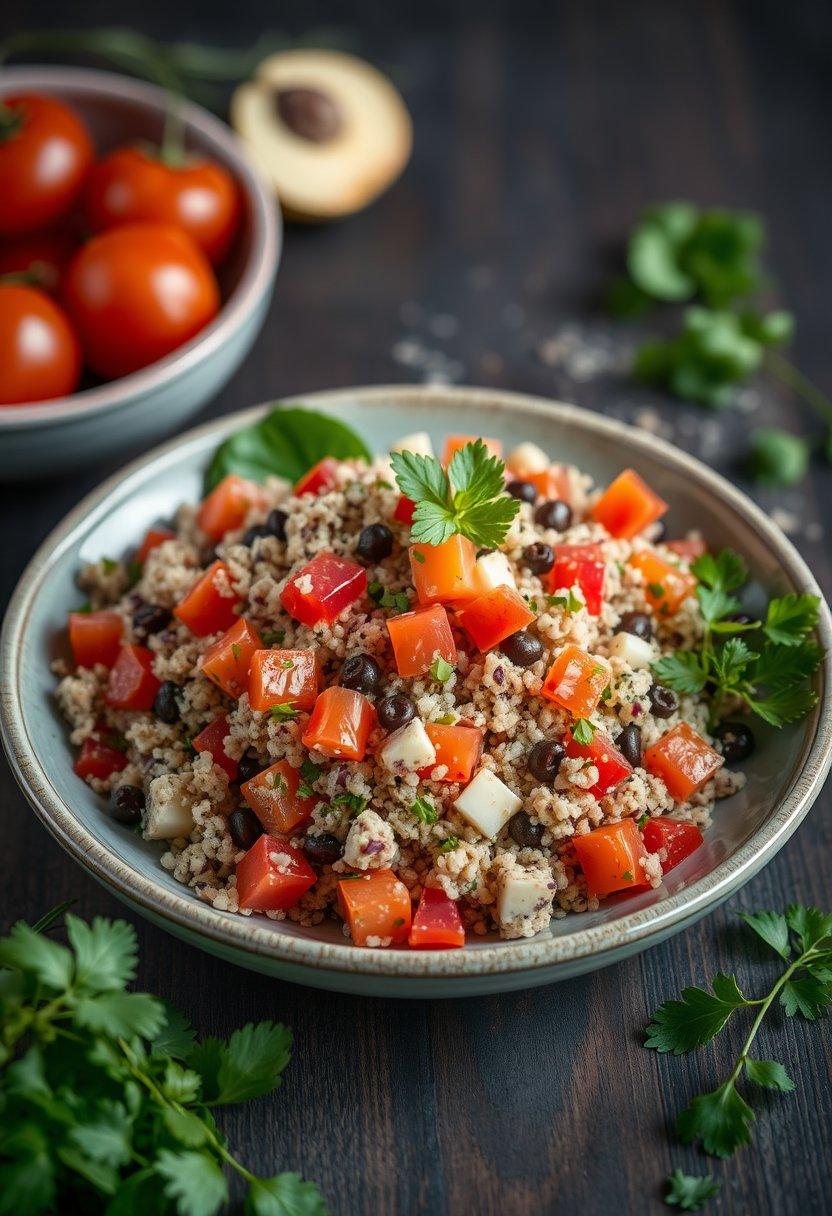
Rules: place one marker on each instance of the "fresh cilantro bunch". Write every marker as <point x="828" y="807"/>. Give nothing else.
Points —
<point x="107" y="1098"/>
<point x="771" y="675"/>
<point x="468" y="499"/>
<point x="722" y="1120"/>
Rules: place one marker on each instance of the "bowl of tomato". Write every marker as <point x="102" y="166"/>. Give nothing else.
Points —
<point x="138" y="251"/>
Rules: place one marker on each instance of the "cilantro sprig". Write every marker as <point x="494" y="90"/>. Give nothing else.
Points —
<point x="107" y="1096"/>
<point x="469" y="498"/>
<point x="722" y="1120"/>
<point x="770" y="673"/>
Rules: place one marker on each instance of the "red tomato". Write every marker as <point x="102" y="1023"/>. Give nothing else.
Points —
<point x="41" y="357"/>
<point x="611" y="857"/>
<point x="44" y="256"/>
<point x="272" y="876"/>
<point x="495" y="616"/>
<point x="678" y="839"/>
<point x="455" y="443"/>
<point x="211" y="739"/>
<point x="136" y="293"/>
<point x="403" y="513"/>
<point x="437" y="923"/>
<point x="419" y="637"/>
<point x="132" y="684"/>
<point x="284" y="677"/>
<point x="227" y="662"/>
<point x="228" y="504"/>
<point x="628" y="506"/>
<point x="133" y="186"/>
<point x="273" y="796"/>
<point x="45" y="153"/>
<point x="97" y="759"/>
<point x="683" y="760"/>
<point x="666" y="587"/>
<point x="576" y="680"/>
<point x="612" y="766"/>
<point x="95" y="637"/>
<point x="153" y="538"/>
<point x="320" y="478"/>
<point x="584" y="565"/>
<point x="341" y="723"/>
<point x="376" y="904"/>
<point x="458" y="748"/>
<point x="444" y="573"/>
<point x="209" y="605"/>
<point x="334" y="584"/>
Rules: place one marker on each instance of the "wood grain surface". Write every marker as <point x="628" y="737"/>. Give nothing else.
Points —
<point x="541" y="131"/>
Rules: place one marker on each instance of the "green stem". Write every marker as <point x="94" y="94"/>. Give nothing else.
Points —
<point x="794" y="379"/>
<point x="765" y="1005"/>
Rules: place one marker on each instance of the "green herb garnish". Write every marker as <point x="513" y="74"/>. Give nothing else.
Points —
<point x="583" y="731"/>
<point x="424" y="809"/>
<point x="134" y="571"/>
<point x="569" y="601"/>
<point x="445" y="720"/>
<point x="283" y="712"/>
<point x="108" y="565"/>
<point x="469" y="499"/>
<point x="356" y="802"/>
<point x="448" y="845"/>
<point x="688" y="1192"/>
<point x="441" y="670"/>
<point x="270" y="636"/>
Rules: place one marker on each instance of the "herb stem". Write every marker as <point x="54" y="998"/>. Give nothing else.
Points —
<point x="793" y="378"/>
<point x="765" y="1004"/>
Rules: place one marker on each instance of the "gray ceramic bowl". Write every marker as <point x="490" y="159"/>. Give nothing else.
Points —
<point x="63" y="434"/>
<point x="785" y="773"/>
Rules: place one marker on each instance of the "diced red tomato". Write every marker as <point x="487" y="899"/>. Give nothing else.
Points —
<point x="457" y="747"/>
<point x="321" y="478"/>
<point x="666" y="587"/>
<point x="677" y="838"/>
<point x="334" y="584"/>
<point x="444" y="573"/>
<point x="584" y="565"/>
<point x="437" y="924"/>
<point x="683" y="760"/>
<point x="403" y="513"/>
<point x="495" y="616"/>
<point x="341" y="723"/>
<point x="284" y="677"/>
<point x="551" y="483"/>
<point x="132" y="684"/>
<point x="419" y="637"/>
<point x="228" y="660"/>
<point x="209" y="605"/>
<point x="375" y="904"/>
<point x="612" y="858"/>
<point x="228" y="504"/>
<point x="454" y="442"/>
<point x="688" y="548"/>
<point x="273" y="796"/>
<point x="153" y="538"/>
<point x="97" y="759"/>
<point x="602" y="752"/>
<point x="576" y="680"/>
<point x="211" y="740"/>
<point x="628" y="506"/>
<point x="273" y="876"/>
<point x="95" y="637"/>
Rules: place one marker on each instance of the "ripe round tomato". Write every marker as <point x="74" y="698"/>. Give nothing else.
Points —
<point x="45" y="153"/>
<point x="132" y="186"/>
<point x="44" y="255"/>
<point x="41" y="355"/>
<point x="137" y="292"/>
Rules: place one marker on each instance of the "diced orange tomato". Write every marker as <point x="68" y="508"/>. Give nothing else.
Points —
<point x="320" y="478"/>
<point x="457" y="747"/>
<point x="628" y="506"/>
<point x="576" y="680"/>
<point x="584" y="565"/>
<point x="335" y="583"/>
<point x="683" y="760"/>
<point x="228" y="660"/>
<point x="495" y="616"/>
<point x="612" y="766"/>
<point x="211" y="739"/>
<point x="375" y="904"/>
<point x="226" y="507"/>
<point x="676" y="837"/>
<point x="98" y="759"/>
<point x="403" y="513"/>
<point x="272" y="876"/>
<point x="95" y="637"/>
<point x="153" y="538"/>
<point x="341" y="723"/>
<point x="666" y="587"/>
<point x="132" y="684"/>
<point x="454" y="442"/>
<point x="444" y="573"/>
<point x="689" y="548"/>
<point x="612" y="858"/>
<point x="437" y="924"/>
<point x="419" y="637"/>
<point x="208" y="608"/>
<point x="273" y="796"/>
<point x="551" y="483"/>
<point x="284" y="677"/>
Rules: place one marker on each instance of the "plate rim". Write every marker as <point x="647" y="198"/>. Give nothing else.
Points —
<point x="583" y="947"/>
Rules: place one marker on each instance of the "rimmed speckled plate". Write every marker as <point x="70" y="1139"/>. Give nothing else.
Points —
<point x="784" y="775"/>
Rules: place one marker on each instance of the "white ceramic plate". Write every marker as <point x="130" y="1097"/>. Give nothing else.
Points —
<point x="784" y="775"/>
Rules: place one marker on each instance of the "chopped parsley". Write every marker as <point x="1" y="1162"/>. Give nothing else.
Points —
<point x="688" y="1192"/>
<point x="424" y="810"/>
<point x="645" y="818"/>
<point x="583" y="731"/>
<point x="441" y="670"/>
<point x="448" y="846"/>
<point x="396" y="601"/>
<point x="570" y="602"/>
<point x="283" y="712"/>
<point x="445" y="720"/>
<point x="235" y="650"/>
<point x="356" y="802"/>
<point x="134" y="571"/>
<point x="656" y="589"/>
<point x="418" y="556"/>
<point x="108" y="565"/>
<point x="269" y="636"/>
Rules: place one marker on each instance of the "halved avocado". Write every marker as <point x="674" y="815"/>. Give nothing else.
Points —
<point x="328" y="130"/>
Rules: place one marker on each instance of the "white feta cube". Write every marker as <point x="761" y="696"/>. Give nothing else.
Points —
<point x="408" y="748"/>
<point x="493" y="570"/>
<point x="420" y="443"/>
<point x="528" y="458"/>
<point x="524" y="898"/>
<point x="169" y="808"/>
<point x="630" y="649"/>
<point x="487" y="803"/>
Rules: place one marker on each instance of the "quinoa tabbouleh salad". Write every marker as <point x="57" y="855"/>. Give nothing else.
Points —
<point x="425" y="697"/>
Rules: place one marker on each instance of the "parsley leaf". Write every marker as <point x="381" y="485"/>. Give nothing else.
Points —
<point x="777" y="457"/>
<point x="790" y="618"/>
<point x="448" y="846"/>
<point x="679" y="1026"/>
<point x="772" y="927"/>
<point x="720" y="1120"/>
<point x="688" y="1192"/>
<point x="284" y="1195"/>
<point x="252" y="1062"/>
<point x="194" y="1181"/>
<point x="441" y="670"/>
<point x="682" y="671"/>
<point x="105" y="953"/>
<point x="769" y="1074"/>
<point x="423" y="809"/>
<point x="583" y="731"/>
<point x="284" y="712"/>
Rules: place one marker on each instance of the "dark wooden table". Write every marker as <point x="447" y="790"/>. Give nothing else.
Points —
<point x="538" y="139"/>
